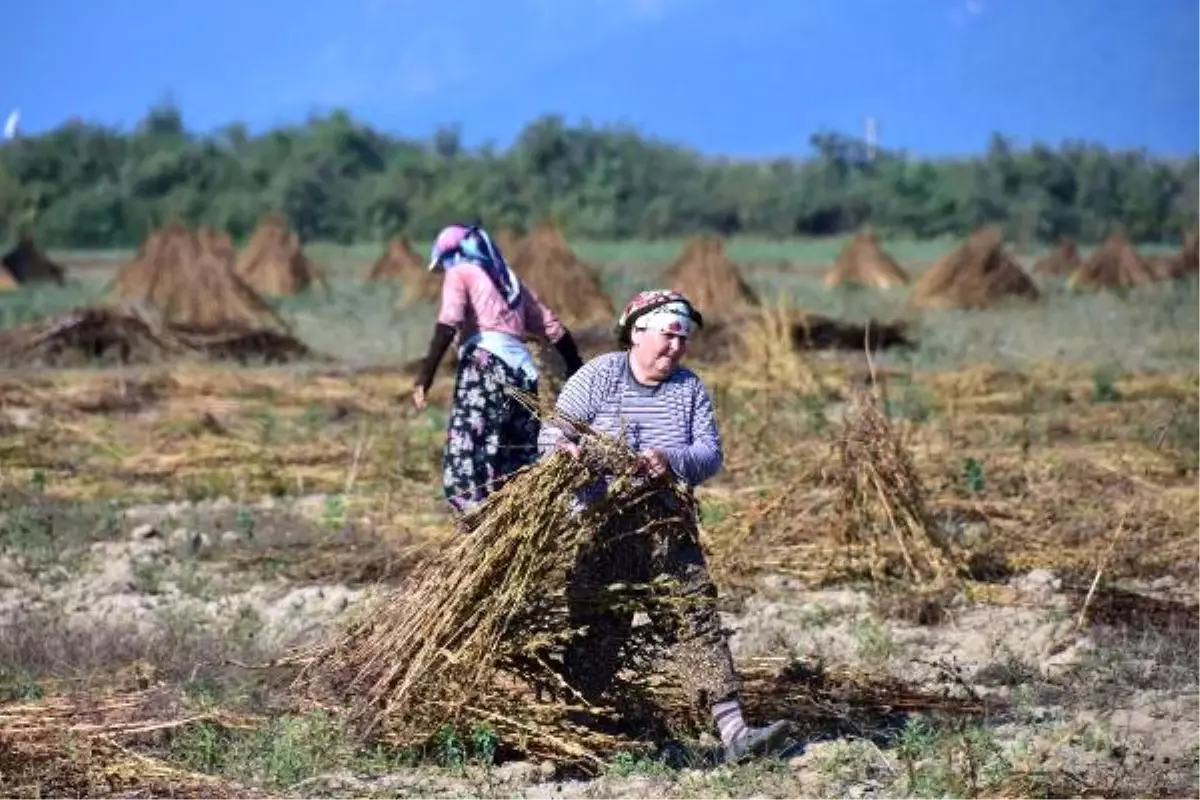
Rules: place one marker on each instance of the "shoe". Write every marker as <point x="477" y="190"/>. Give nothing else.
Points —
<point x="758" y="741"/>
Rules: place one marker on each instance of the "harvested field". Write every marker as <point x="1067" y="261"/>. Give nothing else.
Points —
<point x="964" y="567"/>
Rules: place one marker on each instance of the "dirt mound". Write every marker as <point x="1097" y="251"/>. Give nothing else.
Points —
<point x="710" y="280"/>
<point x="26" y="263"/>
<point x="1061" y="261"/>
<point x="401" y="262"/>
<point x="976" y="274"/>
<point x="863" y="262"/>
<point x="1114" y="264"/>
<point x="192" y="287"/>
<point x="273" y="263"/>
<point x="571" y="287"/>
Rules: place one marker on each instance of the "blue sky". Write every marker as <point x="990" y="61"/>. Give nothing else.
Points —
<point x="741" y="77"/>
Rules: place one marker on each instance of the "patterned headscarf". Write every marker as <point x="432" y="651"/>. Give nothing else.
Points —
<point x="471" y="244"/>
<point x="660" y="310"/>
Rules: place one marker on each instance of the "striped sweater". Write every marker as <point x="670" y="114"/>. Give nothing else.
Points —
<point x="676" y="416"/>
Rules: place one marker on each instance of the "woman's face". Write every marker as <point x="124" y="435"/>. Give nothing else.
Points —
<point x="655" y="354"/>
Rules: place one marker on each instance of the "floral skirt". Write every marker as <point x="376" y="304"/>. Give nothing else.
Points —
<point x="490" y="435"/>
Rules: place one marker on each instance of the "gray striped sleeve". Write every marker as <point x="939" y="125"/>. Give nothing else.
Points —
<point x="704" y="457"/>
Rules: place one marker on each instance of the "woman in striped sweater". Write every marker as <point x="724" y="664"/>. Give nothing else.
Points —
<point x="667" y="417"/>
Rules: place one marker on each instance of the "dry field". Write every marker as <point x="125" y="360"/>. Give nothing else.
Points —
<point x="167" y="531"/>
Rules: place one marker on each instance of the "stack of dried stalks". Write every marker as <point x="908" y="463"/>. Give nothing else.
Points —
<point x="704" y="273"/>
<point x="273" y="262"/>
<point x="863" y="262"/>
<point x="26" y="263"/>
<point x="975" y="275"/>
<point x="859" y="512"/>
<point x="475" y="634"/>
<point x="881" y="501"/>
<point x="400" y="262"/>
<point x="1061" y="261"/>
<point x="571" y="287"/>
<point x="1115" y="264"/>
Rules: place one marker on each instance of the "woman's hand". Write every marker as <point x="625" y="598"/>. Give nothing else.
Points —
<point x="418" y="397"/>
<point x="655" y="462"/>
<point x="572" y="448"/>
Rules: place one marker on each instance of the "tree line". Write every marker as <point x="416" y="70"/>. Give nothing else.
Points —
<point x="90" y="186"/>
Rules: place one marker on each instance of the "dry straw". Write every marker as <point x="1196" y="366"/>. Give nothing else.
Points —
<point x="479" y="631"/>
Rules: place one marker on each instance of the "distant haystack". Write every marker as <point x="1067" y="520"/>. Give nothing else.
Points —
<point x="1178" y="265"/>
<point x="6" y="280"/>
<point x="273" y="262"/>
<point x="1061" y="261"/>
<point x="976" y="274"/>
<point x="570" y="286"/>
<point x="191" y="286"/>
<point x="26" y="263"/>
<point x="401" y="262"/>
<point x="704" y="273"/>
<point x="1115" y="264"/>
<point x="863" y="262"/>
<point x="217" y="242"/>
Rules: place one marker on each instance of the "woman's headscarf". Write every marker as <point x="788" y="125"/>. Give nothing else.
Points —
<point x="459" y="244"/>
<point x="658" y="309"/>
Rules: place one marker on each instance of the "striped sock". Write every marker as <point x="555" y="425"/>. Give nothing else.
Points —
<point x="728" y="716"/>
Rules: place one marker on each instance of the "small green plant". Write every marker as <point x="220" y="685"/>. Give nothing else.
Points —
<point x="973" y="475"/>
<point x="448" y="748"/>
<point x="244" y="520"/>
<point x="333" y="513"/>
<point x="1104" y="385"/>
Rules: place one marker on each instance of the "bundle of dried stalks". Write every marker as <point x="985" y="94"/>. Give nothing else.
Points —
<point x="705" y="274"/>
<point x="400" y="262"/>
<point x="1114" y="264"/>
<point x="273" y="262"/>
<point x="881" y="501"/>
<point x="476" y="633"/>
<point x="1061" y="261"/>
<point x="976" y="274"/>
<point x="545" y="261"/>
<point x="862" y="262"/>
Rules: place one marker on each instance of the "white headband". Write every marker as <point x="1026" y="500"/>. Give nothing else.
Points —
<point x="673" y="318"/>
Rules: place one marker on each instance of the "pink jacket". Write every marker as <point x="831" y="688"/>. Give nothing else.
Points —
<point x="471" y="303"/>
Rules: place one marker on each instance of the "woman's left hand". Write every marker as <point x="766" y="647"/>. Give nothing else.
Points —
<point x="656" y="462"/>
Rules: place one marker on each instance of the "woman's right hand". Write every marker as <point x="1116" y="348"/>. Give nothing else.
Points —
<point x="570" y="447"/>
<point x="418" y="397"/>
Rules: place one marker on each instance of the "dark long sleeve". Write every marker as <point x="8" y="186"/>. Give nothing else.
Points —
<point x="570" y="353"/>
<point x="443" y="335"/>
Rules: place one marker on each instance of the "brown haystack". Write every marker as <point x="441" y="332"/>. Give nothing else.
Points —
<point x="274" y="264"/>
<point x="569" y="286"/>
<point x="976" y="274"/>
<point x="713" y="283"/>
<point x="1061" y="261"/>
<point x="1115" y="264"/>
<point x="1178" y="265"/>
<point x="401" y="262"/>
<point x="863" y="262"/>
<point x="26" y="263"/>
<point x="6" y="280"/>
<point x="217" y="242"/>
<point x="192" y="287"/>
